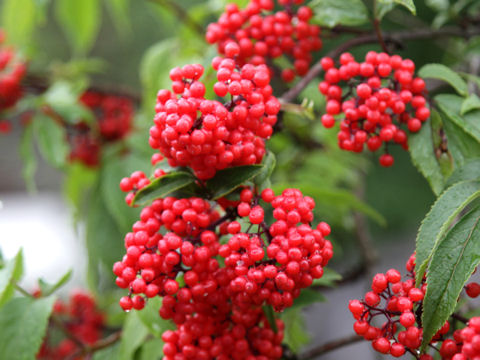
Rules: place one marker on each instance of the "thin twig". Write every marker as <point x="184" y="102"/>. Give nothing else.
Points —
<point x="329" y="346"/>
<point x="182" y="15"/>
<point x="394" y="37"/>
<point x="99" y="345"/>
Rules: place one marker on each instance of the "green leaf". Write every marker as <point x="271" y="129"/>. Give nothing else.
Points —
<point x="469" y="171"/>
<point x="333" y="12"/>
<point x="295" y="335"/>
<point x="308" y="297"/>
<point x="48" y="289"/>
<point x="442" y="72"/>
<point x="80" y="20"/>
<point x="383" y="8"/>
<point x="422" y="152"/>
<point x="23" y="322"/>
<point x="133" y="336"/>
<point x="79" y="179"/>
<point x="152" y="350"/>
<point x="441" y="215"/>
<point x="329" y="278"/>
<point x="270" y="314"/>
<point x="161" y="187"/>
<point x="227" y="180"/>
<point x="409" y="4"/>
<point x="452" y="264"/>
<point x="149" y="316"/>
<point x="268" y="164"/>
<point x="18" y="20"/>
<point x="472" y="102"/>
<point x="108" y="353"/>
<point x="448" y="104"/>
<point x="120" y="13"/>
<point x="27" y="153"/>
<point x="10" y="273"/>
<point x="51" y="139"/>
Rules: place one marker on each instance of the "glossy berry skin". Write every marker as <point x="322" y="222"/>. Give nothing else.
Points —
<point x="258" y="34"/>
<point x="383" y="101"/>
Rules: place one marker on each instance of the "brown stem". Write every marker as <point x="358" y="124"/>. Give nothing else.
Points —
<point x="460" y="318"/>
<point x="394" y="37"/>
<point x="182" y="15"/>
<point x="329" y="346"/>
<point x="378" y="31"/>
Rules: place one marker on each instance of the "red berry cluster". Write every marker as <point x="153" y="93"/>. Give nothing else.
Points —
<point x="12" y="70"/>
<point x="382" y="96"/>
<point x="207" y="135"/>
<point x="217" y="306"/>
<point x="399" y="304"/>
<point x="470" y="336"/>
<point x="258" y="34"/>
<point x="81" y="318"/>
<point x="135" y="182"/>
<point x="114" y="116"/>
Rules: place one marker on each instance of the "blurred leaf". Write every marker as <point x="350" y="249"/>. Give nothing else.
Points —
<point x="227" y="180"/>
<point x="23" y="322"/>
<point x="383" y="8"/>
<point x="472" y="102"/>
<point x="51" y="139"/>
<point x="161" y="187"/>
<point x="80" y="20"/>
<point x="27" y="153"/>
<point x="329" y="278"/>
<point x="268" y="164"/>
<point x="439" y="218"/>
<point x="308" y="297"/>
<point x="120" y="13"/>
<point x="152" y="350"/>
<point x="442" y="72"/>
<point x="270" y="314"/>
<point x="10" y="273"/>
<point x="469" y="171"/>
<point x="48" y="289"/>
<point x="422" y="152"/>
<point x="333" y="12"/>
<point x="150" y="318"/>
<point x="295" y="335"/>
<point x="438" y="5"/>
<point x="79" y="178"/>
<point x="448" y="104"/>
<point x="406" y="3"/>
<point x="18" y="20"/>
<point x="133" y="336"/>
<point x="453" y="262"/>
<point x="108" y="353"/>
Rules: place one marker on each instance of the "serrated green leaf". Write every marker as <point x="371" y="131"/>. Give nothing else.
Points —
<point x="295" y="335"/>
<point x="27" y="153"/>
<point x="472" y="102"/>
<point x="329" y="278"/>
<point x="469" y="171"/>
<point x="163" y="186"/>
<point x="450" y="203"/>
<point x="51" y="139"/>
<point x="453" y="262"/>
<point x="442" y="72"/>
<point x="421" y="148"/>
<point x="149" y="316"/>
<point x="48" y="289"/>
<point x="133" y="336"/>
<point x="268" y="163"/>
<point x="333" y="12"/>
<point x="10" y="273"/>
<point x="448" y="104"/>
<point x="227" y="180"/>
<point x="18" y="20"/>
<point x="23" y="322"/>
<point x="80" y="21"/>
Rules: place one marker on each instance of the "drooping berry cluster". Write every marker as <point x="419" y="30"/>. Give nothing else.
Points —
<point x="114" y="116"/>
<point x="258" y="34"/>
<point x="470" y="337"/>
<point x="137" y="180"/>
<point x="207" y="135"/>
<point x="82" y="319"/>
<point x="174" y="252"/>
<point x="377" y="98"/>
<point x="389" y="317"/>
<point x="12" y="71"/>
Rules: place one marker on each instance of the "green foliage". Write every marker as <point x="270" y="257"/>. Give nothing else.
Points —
<point x="18" y="20"/>
<point x="454" y="261"/>
<point x="332" y="12"/>
<point x="436" y="223"/>
<point x="442" y="72"/>
<point x="51" y="140"/>
<point x="472" y="102"/>
<point x="150" y="318"/>
<point x="23" y="322"/>
<point x="133" y="336"/>
<point x="27" y="153"/>
<point x="48" y="289"/>
<point x="329" y="278"/>
<point x="469" y="171"/>
<point x="295" y="334"/>
<point x="227" y="180"/>
<point x="409" y="4"/>
<point x="10" y="273"/>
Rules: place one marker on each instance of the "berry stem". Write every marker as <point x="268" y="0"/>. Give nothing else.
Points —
<point x="329" y="346"/>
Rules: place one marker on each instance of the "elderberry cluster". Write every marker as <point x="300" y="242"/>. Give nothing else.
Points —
<point x="207" y="135"/>
<point x="174" y="251"/>
<point x="390" y="317"/>
<point x="12" y="70"/>
<point x="258" y="34"/>
<point x="376" y="98"/>
<point x="114" y="116"/>
<point x="81" y="318"/>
